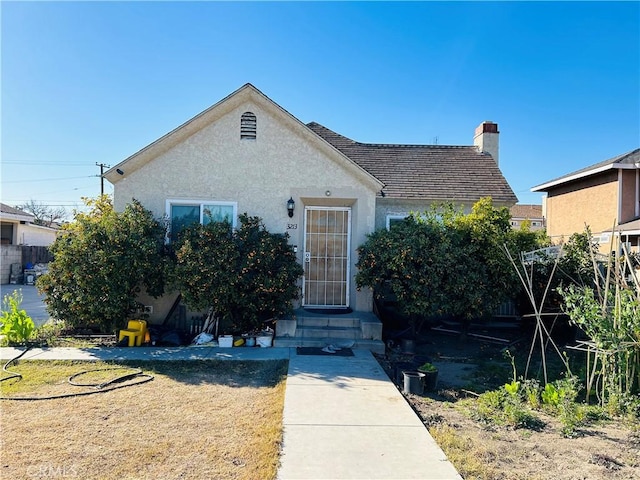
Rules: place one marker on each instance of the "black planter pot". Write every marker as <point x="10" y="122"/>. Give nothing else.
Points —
<point x="430" y="380"/>
<point x="413" y="383"/>
<point x="401" y="367"/>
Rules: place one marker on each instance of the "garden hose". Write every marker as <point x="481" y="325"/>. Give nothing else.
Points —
<point x="12" y="374"/>
<point x="98" y="387"/>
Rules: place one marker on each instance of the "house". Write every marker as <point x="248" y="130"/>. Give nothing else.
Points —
<point x="247" y="154"/>
<point x="604" y="196"/>
<point x="17" y="230"/>
<point x="532" y="213"/>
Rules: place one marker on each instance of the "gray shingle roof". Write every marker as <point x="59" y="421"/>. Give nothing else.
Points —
<point x="4" y="208"/>
<point x="426" y="172"/>
<point x="629" y="158"/>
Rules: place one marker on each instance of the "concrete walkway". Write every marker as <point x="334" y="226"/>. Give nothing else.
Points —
<point x="343" y="417"/>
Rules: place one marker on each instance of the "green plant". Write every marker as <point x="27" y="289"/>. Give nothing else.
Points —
<point x="500" y="407"/>
<point x="247" y="275"/>
<point x="512" y="388"/>
<point x="531" y="393"/>
<point x="427" y="368"/>
<point x="608" y="311"/>
<point x="550" y="396"/>
<point x="101" y="261"/>
<point x="17" y="326"/>
<point x="559" y="398"/>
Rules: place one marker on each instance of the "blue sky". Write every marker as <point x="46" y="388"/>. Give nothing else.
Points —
<point x="87" y="83"/>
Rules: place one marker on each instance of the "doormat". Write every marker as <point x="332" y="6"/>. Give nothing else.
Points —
<point x="344" y="352"/>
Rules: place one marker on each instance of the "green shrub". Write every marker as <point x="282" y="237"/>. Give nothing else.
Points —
<point x="504" y="407"/>
<point x="444" y="262"/>
<point x="101" y="261"/>
<point x="248" y="275"/>
<point x="17" y="326"/>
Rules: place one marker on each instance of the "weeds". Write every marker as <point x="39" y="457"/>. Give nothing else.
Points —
<point x="17" y="326"/>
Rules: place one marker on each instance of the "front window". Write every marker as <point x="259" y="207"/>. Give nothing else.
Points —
<point x="394" y="219"/>
<point x="183" y="213"/>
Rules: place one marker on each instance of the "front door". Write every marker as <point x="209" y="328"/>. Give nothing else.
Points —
<point x="327" y="235"/>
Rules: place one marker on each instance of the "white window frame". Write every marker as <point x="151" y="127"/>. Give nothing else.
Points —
<point x="393" y="216"/>
<point x="200" y="203"/>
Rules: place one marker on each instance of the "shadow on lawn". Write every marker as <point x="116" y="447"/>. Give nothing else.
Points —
<point x="236" y="374"/>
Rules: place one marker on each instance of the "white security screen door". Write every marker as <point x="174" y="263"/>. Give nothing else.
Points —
<point x="327" y="235"/>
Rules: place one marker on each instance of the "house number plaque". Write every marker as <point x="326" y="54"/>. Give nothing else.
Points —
<point x="292" y="226"/>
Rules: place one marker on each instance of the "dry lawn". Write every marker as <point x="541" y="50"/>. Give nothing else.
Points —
<point x="609" y="451"/>
<point x="206" y="419"/>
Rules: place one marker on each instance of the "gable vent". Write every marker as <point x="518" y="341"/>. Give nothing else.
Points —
<point x="248" y="126"/>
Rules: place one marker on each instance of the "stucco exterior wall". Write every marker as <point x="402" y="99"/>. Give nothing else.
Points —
<point x="260" y="175"/>
<point x="36" y="235"/>
<point x="592" y="201"/>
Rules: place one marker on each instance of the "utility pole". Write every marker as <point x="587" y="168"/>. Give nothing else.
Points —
<point x="102" y="167"/>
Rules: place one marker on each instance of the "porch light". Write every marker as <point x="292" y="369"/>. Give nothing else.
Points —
<point x="291" y="205"/>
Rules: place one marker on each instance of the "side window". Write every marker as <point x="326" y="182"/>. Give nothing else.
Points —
<point x="182" y="216"/>
<point x="248" y="126"/>
<point x="393" y="219"/>
<point x="183" y="213"/>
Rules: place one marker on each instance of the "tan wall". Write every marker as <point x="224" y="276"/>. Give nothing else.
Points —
<point x="260" y="175"/>
<point x="628" y="206"/>
<point x="591" y="202"/>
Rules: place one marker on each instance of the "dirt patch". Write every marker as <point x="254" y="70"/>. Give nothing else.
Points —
<point x="600" y="450"/>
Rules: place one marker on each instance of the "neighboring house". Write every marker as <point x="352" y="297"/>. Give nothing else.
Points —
<point x="532" y="213"/>
<point x="17" y="231"/>
<point x="248" y="154"/>
<point x="604" y="196"/>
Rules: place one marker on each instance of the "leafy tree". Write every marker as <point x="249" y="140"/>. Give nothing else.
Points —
<point x="248" y="275"/>
<point x="444" y="262"/>
<point x="101" y="260"/>
<point x="45" y="215"/>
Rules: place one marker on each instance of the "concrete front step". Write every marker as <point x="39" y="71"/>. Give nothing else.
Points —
<point x="331" y="332"/>
<point x="335" y="321"/>
<point x="375" y="346"/>
<point x="306" y="328"/>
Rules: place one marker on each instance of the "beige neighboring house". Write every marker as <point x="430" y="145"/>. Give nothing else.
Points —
<point x="248" y="154"/>
<point x="604" y="196"/>
<point x="17" y="230"/>
<point x="532" y="213"/>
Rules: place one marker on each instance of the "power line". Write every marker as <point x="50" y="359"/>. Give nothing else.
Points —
<point x="57" y="164"/>
<point x="46" y="179"/>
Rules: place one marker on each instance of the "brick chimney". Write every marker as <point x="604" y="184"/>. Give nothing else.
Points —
<point x="486" y="139"/>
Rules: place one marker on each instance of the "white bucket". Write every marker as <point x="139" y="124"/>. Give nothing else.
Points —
<point x="264" y="340"/>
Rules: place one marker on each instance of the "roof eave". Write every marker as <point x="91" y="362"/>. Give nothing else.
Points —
<point x="209" y="115"/>
<point x="570" y="178"/>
